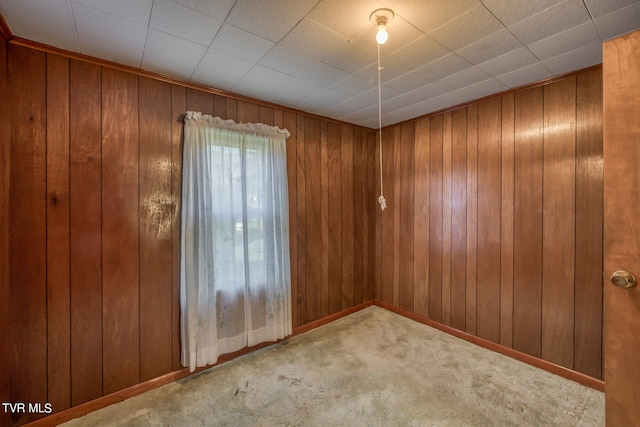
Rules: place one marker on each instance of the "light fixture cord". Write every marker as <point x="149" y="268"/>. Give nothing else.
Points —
<point x="381" y="199"/>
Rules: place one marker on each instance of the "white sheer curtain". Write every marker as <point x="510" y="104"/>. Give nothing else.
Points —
<point x="235" y="277"/>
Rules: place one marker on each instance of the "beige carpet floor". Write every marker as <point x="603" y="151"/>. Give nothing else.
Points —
<point x="372" y="368"/>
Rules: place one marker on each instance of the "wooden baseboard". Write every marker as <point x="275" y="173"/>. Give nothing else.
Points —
<point x="119" y="396"/>
<point x="507" y="351"/>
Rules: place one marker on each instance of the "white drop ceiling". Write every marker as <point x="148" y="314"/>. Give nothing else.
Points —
<point x="319" y="56"/>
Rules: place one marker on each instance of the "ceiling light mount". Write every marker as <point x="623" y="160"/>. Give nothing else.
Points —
<point x="381" y="17"/>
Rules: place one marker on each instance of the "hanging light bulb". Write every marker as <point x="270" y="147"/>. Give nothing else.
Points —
<point x="382" y="35"/>
<point x="381" y="17"/>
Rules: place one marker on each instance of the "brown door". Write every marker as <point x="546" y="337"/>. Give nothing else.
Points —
<point x="621" y="96"/>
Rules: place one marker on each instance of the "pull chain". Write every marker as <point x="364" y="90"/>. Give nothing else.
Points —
<point x="381" y="199"/>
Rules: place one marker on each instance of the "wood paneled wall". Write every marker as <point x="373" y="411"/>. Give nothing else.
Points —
<point x="495" y="220"/>
<point x="95" y="166"/>
<point x="5" y="145"/>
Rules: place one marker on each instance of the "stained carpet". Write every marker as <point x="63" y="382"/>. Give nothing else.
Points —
<point x="371" y="368"/>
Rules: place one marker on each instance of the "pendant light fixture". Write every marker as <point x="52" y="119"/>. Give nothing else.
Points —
<point x="381" y="17"/>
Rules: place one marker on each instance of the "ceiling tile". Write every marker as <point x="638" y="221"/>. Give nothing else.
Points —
<point x="563" y="16"/>
<point x="580" y="58"/>
<point x="369" y="98"/>
<point x="186" y="23"/>
<point x="599" y="8"/>
<point x="110" y="28"/>
<point x="218" y="8"/>
<point x="510" y="61"/>
<point x="490" y="47"/>
<point x="322" y="102"/>
<point x="296" y="64"/>
<point x="206" y="77"/>
<point x="313" y="40"/>
<point x="525" y="75"/>
<point x="476" y="24"/>
<point x="481" y="89"/>
<point x="136" y="11"/>
<point x="422" y="51"/>
<point x="229" y="38"/>
<point x="268" y="84"/>
<point x="427" y="15"/>
<point x="171" y="55"/>
<point x="350" y="57"/>
<point x="417" y="95"/>
<point x="464" y="78"/>
<point x="224" y="63"/>
<point x="347" y="18"/>
<point x="264" y="19"/>
<point x="619" y="22"/>
<point x="109" y="50"/>
<point x="366" y="79"/>
<point x="429" y="73"/>
<point x="568" y="40"/>
<point x="49" y="22"/>
<point x="411" y="111"/>
<point x="511" y="11"/>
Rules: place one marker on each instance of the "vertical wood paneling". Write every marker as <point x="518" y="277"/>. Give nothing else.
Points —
<point x="266" y="116"/>
<point x="313" y="213"/>
<point x="421" y="217"/>
<point x="489" y="179"/>
<point x="458" y="218"/>
<point x="371" y="209"/>
<point x="358" y="218"/>
<point x="290" y="123"/>
<point x="85" y="189"/>
<point x="27" y="219"/>
<point x="435" y="221"/>
<point x="446" y="216"/>
<point x="334" y="199"/>
<point x="5" y="171"/>
<point x="506" y="221"/>
<point x="527" y="266"/>
<point x="386" y="220"/>
<point x="202" y="102"/>
<point x="559" y="229"/>
<point x="232" y="109"/>
<point x="58" y="291"/>
<point x="397" y="195"/>
<point x="156" y="218"/>
<point x="472" y="217"/>
<point x="102" y="169"/>
<point x="301" y="218"/>
<point x="347" y="217"/>
<point x="178" y="107"/>
<point x="324" y="185"/>
<point x="248" y="112"/>
<point x="120" y="229"/>
<point x="435" y="177"/>
<point x="589" y="224"/>
<point x="219" y="104"/>
<point x="406" y="172"/>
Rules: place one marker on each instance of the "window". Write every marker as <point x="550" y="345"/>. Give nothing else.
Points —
<point x="235" y="274"/>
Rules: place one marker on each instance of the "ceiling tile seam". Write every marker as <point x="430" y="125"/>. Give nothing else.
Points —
<point x="75" y="26"/>
<point x="146" y="35"/>
<point x="224" y="21"/>
<point x="516" y="37"/>
<point x="586" y="6"/>
<point x="276" y="43"/>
